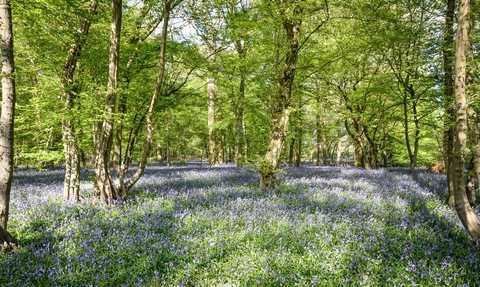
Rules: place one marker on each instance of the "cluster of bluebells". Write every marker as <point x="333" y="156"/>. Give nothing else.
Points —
<point x="200" y="226"/>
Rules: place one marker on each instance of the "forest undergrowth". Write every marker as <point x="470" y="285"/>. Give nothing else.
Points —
<point x="200" y="226"/>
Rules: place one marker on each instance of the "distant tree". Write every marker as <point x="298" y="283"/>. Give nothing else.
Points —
<point x="6" y="118"/>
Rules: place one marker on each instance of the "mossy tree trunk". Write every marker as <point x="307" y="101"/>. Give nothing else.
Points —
<point x="282" y="101"/>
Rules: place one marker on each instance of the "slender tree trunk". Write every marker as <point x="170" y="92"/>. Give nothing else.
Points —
<point x="167" y="135"/>
<point x="239" y="120"/>
<point x="281" y="113"/>
<point x="412" y="154"/>
<point x="117" y="159"/>
<point x="449" y="98"/>
<point x="472" y="115"/>
<point x="71" y="186"/>
<point x="319" y="139"/>
<point x="464" y="210"/>
<point x="7" y="117"/>
<point x="168" y="6"/>
<point x="471" y="179"/>
<point x="298" y="135"/>
<point x="241" y="50"/>
<point x="474" y="168"/>
<point x="214" y="156"/>
<point x="121" y="163"/>
<point x="291" y="151"/>
<point x="339" y="144"/>
<point x="104" y="183"/>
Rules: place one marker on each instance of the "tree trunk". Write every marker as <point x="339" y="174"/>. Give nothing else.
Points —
<point x="412" y="154"/>
<point x="117" y="159"/>
<point x="104" y="183"/>
<point x="319" y="141"/>
<point x="471" y="179"/>
<point x="168" y="147"/>
<point x="298" y="136"/>
<point x="339" y="145"/>
<point x="449" y="98"/>
<point x="8" y="112"/>
<point x="168" y="6"/>
<point x="7" y="242"/>
<point x="270" y="164"/>
<point x="71" y="186"/>
<point x="120" y="162"/>
<point x="214" y="157"/>
<point x="240" y="104"/>
<point x="281" y="113"/>
<point x="462" y="205"/>
<point x="291" y="151"/>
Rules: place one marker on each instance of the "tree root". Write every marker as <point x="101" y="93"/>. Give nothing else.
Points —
<point x="7" y="241"/>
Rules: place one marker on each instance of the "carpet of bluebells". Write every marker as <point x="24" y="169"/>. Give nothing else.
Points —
<point x="200" y="226"/>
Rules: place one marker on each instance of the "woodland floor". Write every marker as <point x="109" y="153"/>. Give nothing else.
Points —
<point x="200" y="226"/>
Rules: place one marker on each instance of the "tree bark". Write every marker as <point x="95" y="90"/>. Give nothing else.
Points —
<point x="472" y="115"/>
<point x="7" y="241"/>
<point x="213" y="154"/>
<point x="464" y="210"/>
<point x="8" y="111"/>
<point x="412" y="153"/>
<point x="168" y="6"/>
<point x="241" y="50"/>
<point x="104" y="183"/>
<point x="120" y="162"/>
<point x="281" y="112"/>
<point x="71" y="186"/>
<point x="449" y="98"/>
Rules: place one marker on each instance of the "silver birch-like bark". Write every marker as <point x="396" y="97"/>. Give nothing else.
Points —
<point x="8" y="114"/>
<point x="464" y="210"/>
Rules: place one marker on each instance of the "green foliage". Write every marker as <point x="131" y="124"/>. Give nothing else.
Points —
<point x="348" y="72"/>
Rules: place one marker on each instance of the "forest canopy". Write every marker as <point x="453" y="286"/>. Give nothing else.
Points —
<point x="368" y="86"/>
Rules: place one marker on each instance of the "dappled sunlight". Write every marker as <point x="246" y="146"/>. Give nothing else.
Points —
<point x="203" y="226"/>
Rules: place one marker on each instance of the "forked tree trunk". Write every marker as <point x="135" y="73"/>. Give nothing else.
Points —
<point x="462" y="205"/>
<point x="104" y="183"/>
<point x="449" y="98"/>
<point x="169" y="5"/>
<point x="8" y="112"/>
<point x="281" y="113"/>
<point x="71" y="186"/>
<point x="120" y="162"/>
